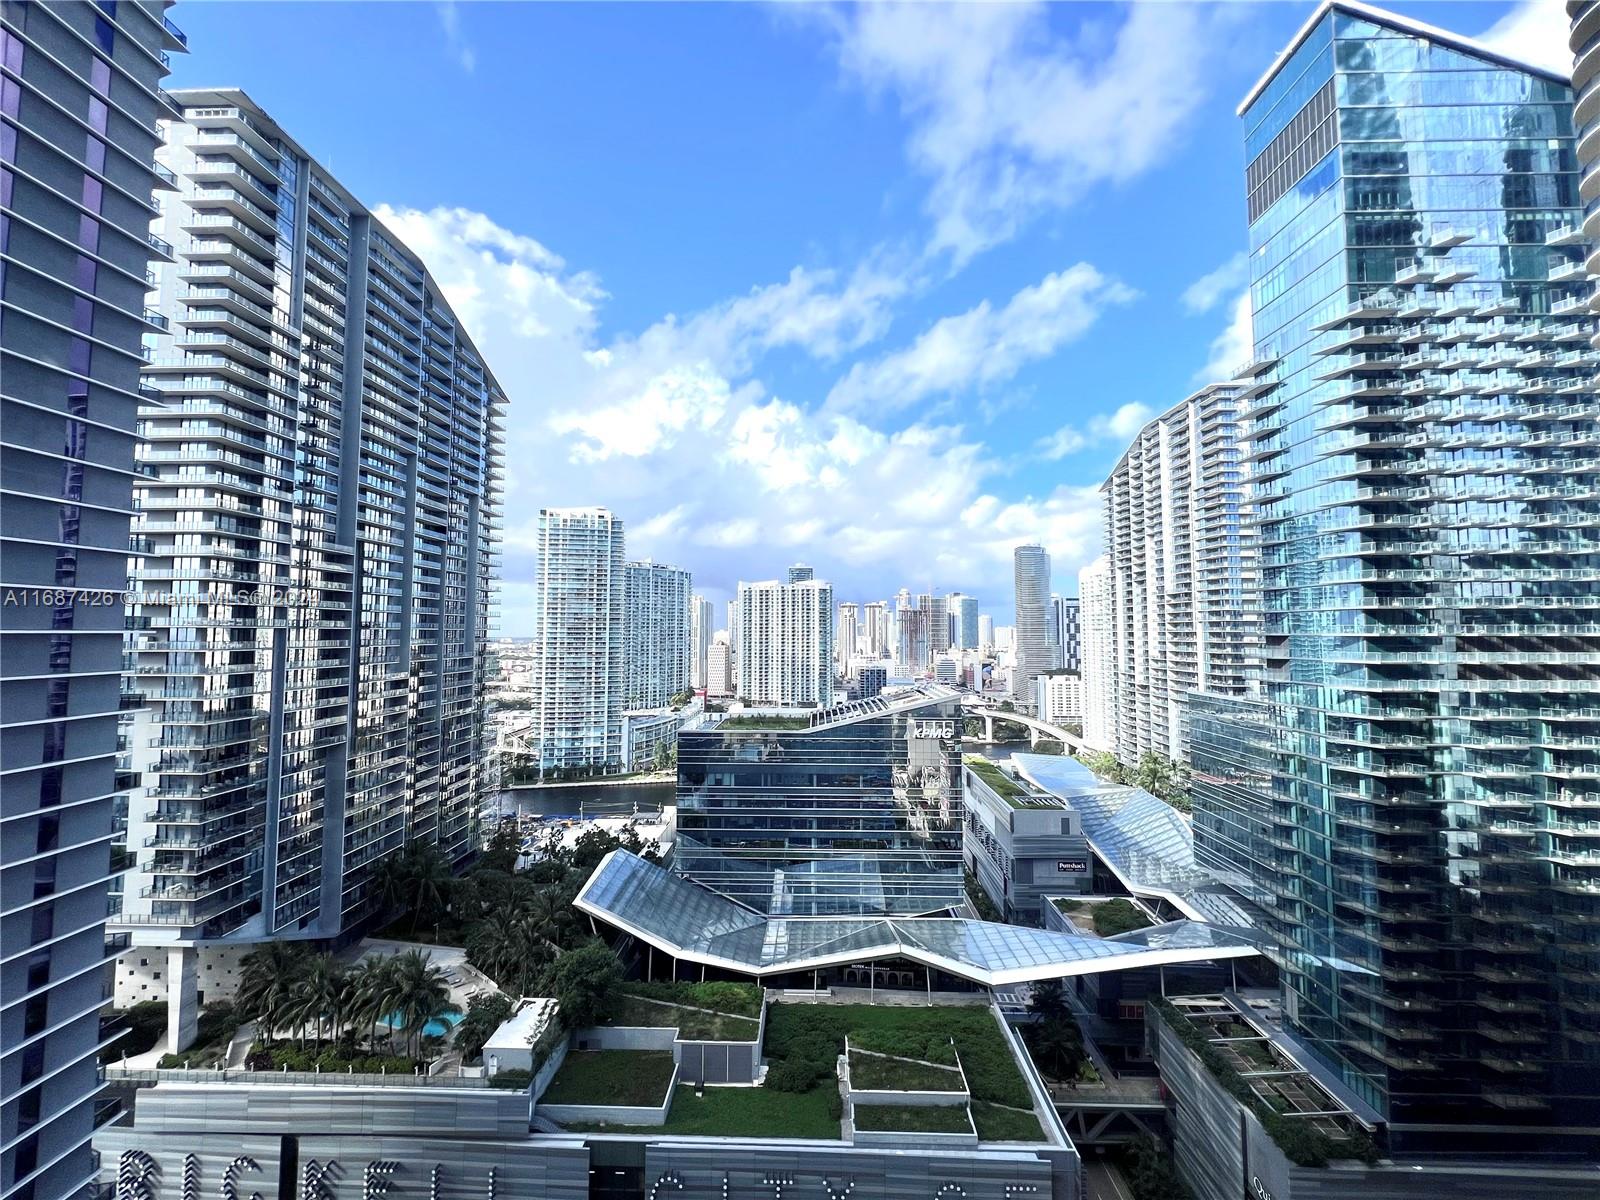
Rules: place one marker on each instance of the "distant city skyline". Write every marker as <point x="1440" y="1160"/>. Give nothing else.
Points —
<point x="878" y="359"/>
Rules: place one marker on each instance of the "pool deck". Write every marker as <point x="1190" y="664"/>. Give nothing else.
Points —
<point x="465" y="980"/>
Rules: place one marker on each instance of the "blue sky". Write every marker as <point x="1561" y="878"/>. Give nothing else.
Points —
<point x="884" y="289"/>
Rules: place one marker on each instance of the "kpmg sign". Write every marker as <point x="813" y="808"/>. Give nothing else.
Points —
<point x="936" y="730"/>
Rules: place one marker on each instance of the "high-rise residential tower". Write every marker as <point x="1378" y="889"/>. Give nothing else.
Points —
<point x="800" y="573"/>
<point x="846" y="635"/>
<point x="701" y="622"/>
<point x="313" y="552"/>
<point x="719" y="666"/>
<point x="1034" y="649"/>
<point x="1099" y="670"/>
<point x="580" y="684"/>
<point x="1182" y="571"/>
<point x="963" y="611"/>
<point x="655" y="633"/>
<point x="1415" y="797"/>
<point x="936" y="618"/>
<point x="785" y="643"/>
<point x="1067" y="632"/>
<point x="876" y="623"/>
<point x="80" y="102"/>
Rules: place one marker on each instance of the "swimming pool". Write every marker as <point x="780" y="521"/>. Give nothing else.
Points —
<point x="432" y="1028"/>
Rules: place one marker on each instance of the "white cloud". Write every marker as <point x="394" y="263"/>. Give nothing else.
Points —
<point x="674" y="430"/>
<point x="449" y="12"/>
<point x="983" y="346"/>
<point x="1534" y="31"/>
<point x="1119" y="425"/>
<point x="1232" y="347"/>
<point x="1212" y="288"/>
<point x="1011" y="118"/>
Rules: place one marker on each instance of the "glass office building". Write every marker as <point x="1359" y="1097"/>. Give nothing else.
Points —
<point x="854" y="811"/>
<point x="1417" y="794"/>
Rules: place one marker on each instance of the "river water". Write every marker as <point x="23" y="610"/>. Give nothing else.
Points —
<point x="623" y="799"/>
<point x="587" y="799"/>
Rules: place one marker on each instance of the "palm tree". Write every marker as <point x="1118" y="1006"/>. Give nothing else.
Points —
<point x="430" y="880"/>
<point x="1049" y="1001"/>
<point x="371" y="994"/>
<point x="320" y="995"/>
<point x="421" y="995"/>
<point x="494" y="944"/>
<point x="550" y="916"/>
<point x="267" y="981"/>
<point x="392" y="882"/>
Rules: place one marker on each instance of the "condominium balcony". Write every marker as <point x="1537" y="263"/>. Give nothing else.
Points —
<point x="1569" y="271"/>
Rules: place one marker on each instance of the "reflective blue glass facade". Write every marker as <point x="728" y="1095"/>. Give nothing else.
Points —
<point x="858" y="813"/>
<point x="1415" y="798"/>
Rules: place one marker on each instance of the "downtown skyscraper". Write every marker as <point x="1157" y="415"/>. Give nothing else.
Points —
<point x="1413" y="800"/>
<point x="1035" y="648"/>
<point x="963" y="610"/>
<point x="580" y="684"/>
<point x="312" y="556"/>
<point x="702" y="625"/>
<point x="80" y="106"/>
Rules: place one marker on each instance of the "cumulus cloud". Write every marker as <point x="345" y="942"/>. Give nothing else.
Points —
<point x="983" y="346"/>
<point x="1117" y="426"/>
<point x="1534" y="31"/>
<point x="1233" y="346"/>
<point x="1213" y="287"/>
<point x="1011" y="118"/>
<point x="674" y="429"/>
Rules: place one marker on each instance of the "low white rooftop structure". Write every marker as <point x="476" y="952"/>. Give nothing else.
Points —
<point x="510" y="1048"/>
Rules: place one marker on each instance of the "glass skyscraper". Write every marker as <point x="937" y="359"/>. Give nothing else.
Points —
<point x="1416" y="795"/>
<point x="854" y="811"/>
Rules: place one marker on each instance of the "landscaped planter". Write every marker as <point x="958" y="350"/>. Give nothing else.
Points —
<point x="699" y="1060"/>
<point x="594" y="1113"/>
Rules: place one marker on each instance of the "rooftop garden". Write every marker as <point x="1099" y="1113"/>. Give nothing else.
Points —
<point x="741" y="1112"/>
<point x="627" y="1077"/>
<point x="756" y="721"/>
<point x="800" y="1097"/>
<point x="709" y="1012"/>
<point x="913" y="1118"/>
<point x="1305" y="1140"/>
<point x="998" y="1123"/>
<point x="882" y="1072"/>
<point x="1002" y="784"/>
<point x="804" y="1039"/>
<point x="1106" y="917"/>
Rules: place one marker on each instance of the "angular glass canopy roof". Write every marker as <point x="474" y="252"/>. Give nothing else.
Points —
<point x="688" y="922"/>
<point x="1144" y="840"/>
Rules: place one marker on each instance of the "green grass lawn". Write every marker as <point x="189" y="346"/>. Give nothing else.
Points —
<point x="1003" y="784"/>
<point x="1119" y="916"/>
<point x="633" y="1077"/>
<point x="869" y="1072"/>
<point x="740" y="1112"/>
<point x="736" y="999"/>
<point x="913" y="1118"/>
<point x="759" y="722"/>
<point x="691" y="1024"/>
<point x="923" y="1033"/>
<point x="996" y="1124"/>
